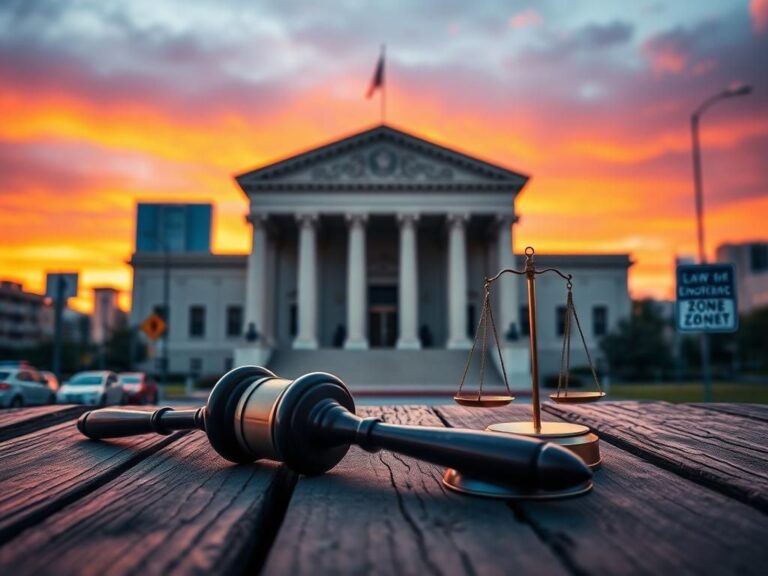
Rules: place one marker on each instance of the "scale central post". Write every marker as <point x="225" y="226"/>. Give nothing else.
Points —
<point x="530" y="275"/>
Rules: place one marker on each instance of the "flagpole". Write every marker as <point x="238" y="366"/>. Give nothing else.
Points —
<point x="384" y="84"/>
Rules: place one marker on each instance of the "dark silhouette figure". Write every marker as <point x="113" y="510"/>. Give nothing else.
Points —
<point x="425" y="335"/>
<point x="511" y="335"/>
<point x="339" y="335"/>
<point x="251" y="334"/>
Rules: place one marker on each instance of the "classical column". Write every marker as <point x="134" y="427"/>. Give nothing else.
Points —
<point x="306" y="338"/>
<point x="507" y="289"/>
<point x="457" y="282"/>
<point x="357" y="335"/>
<point x="408" y="305"/>
<point x="256" y="281"/>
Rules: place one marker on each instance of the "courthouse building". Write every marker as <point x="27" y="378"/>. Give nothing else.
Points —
<point x="368" y="258"/>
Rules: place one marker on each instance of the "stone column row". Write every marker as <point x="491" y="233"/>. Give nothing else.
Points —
<point x="357" y="287"/>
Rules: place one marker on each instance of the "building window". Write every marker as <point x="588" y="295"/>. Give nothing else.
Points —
<point x="525" y="321"/>
<point x="196" y="366"/>
<point x="599" y="320"/>
<point x="234" y="321"/>
<point x="758" y="257"/>
<point x="228" y="364"/>
<point x="471" y="320"/>
<point x="560" y="320"/>
<point x="197" y="321"/>
<point x="293" y="320"/>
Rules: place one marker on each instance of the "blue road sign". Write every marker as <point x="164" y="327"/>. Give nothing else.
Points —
<point x="706" y="298"/>
<point x="64" y="283"/>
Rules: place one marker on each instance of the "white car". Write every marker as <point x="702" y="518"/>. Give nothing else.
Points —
<point x="23" y="387"/>
<point x="97" y="388"/>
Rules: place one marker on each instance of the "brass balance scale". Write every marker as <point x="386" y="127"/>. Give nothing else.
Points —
<point x="575" y="437"/>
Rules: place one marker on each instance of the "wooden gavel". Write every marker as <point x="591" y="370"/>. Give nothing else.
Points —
<point x="309" y="424"/>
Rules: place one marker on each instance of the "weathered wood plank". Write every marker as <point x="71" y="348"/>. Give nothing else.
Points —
<point x="387" y="514"/>
<point x="183" y="510"/>
<point x="721" y="451"/>
<point x="18" y="421"/>
<point x="754" y="411"/>
<point x="44" y="471"/>
<point x="639" y="519"/>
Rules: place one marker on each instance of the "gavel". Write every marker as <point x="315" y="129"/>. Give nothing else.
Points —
<point x="309" y="424"/>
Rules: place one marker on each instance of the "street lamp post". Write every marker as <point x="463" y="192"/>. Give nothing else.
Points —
<point x="738" y="90"/>
<point x="166" y="310"/>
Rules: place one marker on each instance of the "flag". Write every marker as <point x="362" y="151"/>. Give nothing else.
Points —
<point x="378" y="76"/>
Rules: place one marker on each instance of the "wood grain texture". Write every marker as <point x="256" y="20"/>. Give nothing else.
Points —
<point x="722" y="451"/>
<point x="639" y="519"/>
<point x="46" y="470"/>
<point x="19" y="421"/>
<point x="387" y="514"/>
<point x="753" y="411"/>
<point x="183" y="510"/>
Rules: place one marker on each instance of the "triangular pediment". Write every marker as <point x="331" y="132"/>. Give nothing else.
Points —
<point x="382" y="156"/>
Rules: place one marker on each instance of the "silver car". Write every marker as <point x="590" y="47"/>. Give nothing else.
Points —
<point x="95" y="388"/>
<point x="24" y="387"/>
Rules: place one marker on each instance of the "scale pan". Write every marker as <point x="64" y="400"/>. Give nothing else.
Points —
<point x="576" y="397"/>
<point x="482" y="401"/>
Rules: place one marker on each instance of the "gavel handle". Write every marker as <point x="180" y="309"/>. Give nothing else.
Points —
<point x="497" y="457"/>
<point x="116" y="423"/>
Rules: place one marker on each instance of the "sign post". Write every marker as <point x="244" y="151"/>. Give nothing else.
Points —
<point x="60" y="288"/>
<point x="706" y="303"/>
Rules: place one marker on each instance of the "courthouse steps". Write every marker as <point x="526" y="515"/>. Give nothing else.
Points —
<point x="386" y="370"/>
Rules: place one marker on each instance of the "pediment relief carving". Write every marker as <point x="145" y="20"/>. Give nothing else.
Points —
<point x="384" y="157"/>
<point x="384" y="162"/>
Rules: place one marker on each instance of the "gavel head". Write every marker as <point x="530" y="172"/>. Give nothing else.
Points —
<point x="252" y="414"/>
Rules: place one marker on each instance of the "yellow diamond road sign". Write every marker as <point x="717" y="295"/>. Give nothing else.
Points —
<point x="154" y="326"/>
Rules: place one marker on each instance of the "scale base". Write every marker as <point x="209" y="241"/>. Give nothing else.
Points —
<point x="457" y="481"/>
<point x="575" y="437"/>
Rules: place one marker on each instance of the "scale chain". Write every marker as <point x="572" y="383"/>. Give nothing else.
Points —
<point x="484" y="349"/>
<point x="563" y="378"/>
<point x="589" y="356"/>
<point x="486" y="314"/>
<point x="565" y="354"/>
<point x="498" y="349"/>
<point x="474" y="343"/>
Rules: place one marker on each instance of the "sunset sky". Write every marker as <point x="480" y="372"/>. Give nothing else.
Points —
<point x="106" y="103"/>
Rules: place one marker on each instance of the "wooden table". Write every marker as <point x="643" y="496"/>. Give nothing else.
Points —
<point x="683" y="490"/>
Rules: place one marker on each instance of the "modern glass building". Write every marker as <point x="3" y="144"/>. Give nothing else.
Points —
<point x="176" y="228"/>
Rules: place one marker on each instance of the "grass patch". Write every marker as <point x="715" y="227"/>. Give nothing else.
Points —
<point x="174" y="390"/>
<point x="690" y="392"/>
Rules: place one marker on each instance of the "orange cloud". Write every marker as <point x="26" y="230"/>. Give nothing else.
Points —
<point x="666" y="59"/>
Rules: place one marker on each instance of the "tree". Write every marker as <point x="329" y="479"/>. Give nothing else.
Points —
<point x="752" y="339"/>
<point x="639" y="349"/>
<point x="123" y="350"/>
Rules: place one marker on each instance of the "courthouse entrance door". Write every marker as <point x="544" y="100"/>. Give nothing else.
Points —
<point x="382" y="316"/>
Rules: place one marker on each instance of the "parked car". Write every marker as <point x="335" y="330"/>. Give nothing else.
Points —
<point x="95" y="388"/>
<point x="24" y="386"/>
<point x="51" y="380"/>
<point x="138" y="387"/>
